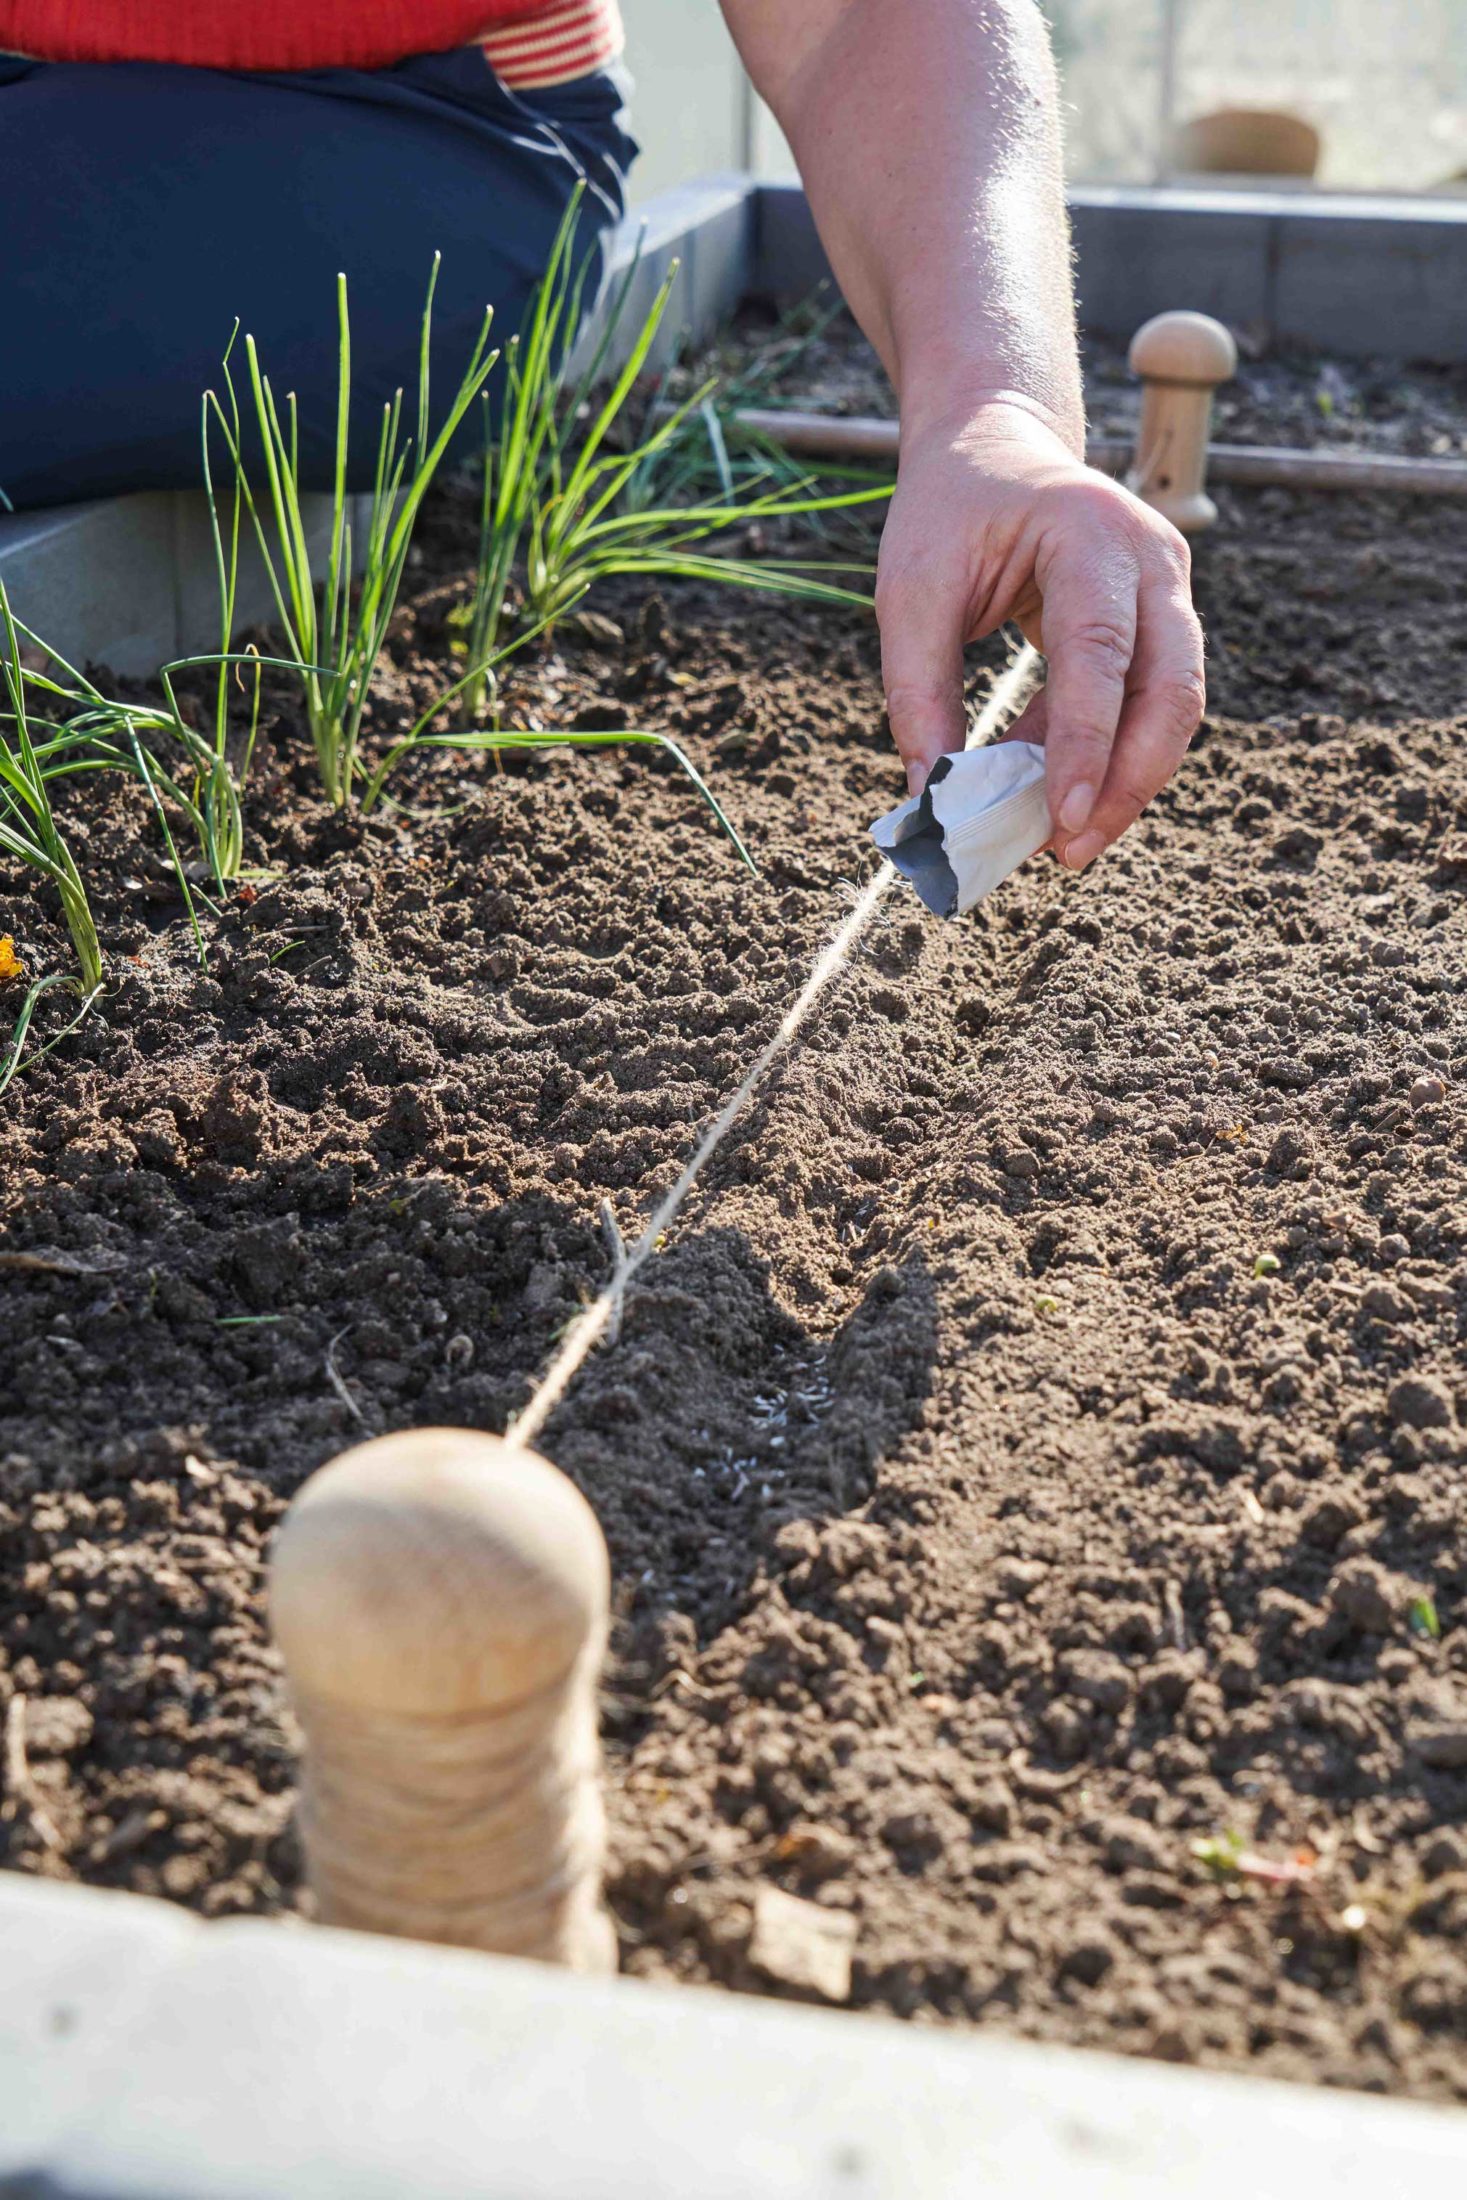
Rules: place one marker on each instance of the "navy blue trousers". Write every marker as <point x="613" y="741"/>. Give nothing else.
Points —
<point x="146" y="208"/>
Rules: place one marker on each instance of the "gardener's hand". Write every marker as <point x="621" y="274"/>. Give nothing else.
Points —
<point x="995" y="519"/>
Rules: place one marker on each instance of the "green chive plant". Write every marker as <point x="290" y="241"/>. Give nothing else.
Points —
<point x="28" y="828"/>
<point x="335" y="631"/>
<point x="572" y="492"/>
<point x="566" y="482"/>
<point x="335" y="623"/>
<point x="98" y="733"/>
<point x="714" y="456"/>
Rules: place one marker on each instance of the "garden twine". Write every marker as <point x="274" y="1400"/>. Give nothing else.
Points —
<point x="1007" y="697"/>
<point x="439" y="1598"/>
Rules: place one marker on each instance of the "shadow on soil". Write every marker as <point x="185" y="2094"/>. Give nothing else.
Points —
<point x="280" y="1313"/>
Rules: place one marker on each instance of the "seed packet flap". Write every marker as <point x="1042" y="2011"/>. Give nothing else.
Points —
<point x="979" y="815"/>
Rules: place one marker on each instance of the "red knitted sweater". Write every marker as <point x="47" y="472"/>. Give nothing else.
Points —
<point x="532" y="43"/>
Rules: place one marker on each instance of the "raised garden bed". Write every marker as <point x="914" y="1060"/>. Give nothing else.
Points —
<point x="1038" y="1453"/>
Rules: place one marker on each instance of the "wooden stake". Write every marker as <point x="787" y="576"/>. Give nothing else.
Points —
<point x="439" y="1598"/>
<point x="1251" y="465"/>
<point x="1181" y="358"/>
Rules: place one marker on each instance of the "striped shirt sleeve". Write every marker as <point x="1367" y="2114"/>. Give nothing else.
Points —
<point x="565" y="40"/>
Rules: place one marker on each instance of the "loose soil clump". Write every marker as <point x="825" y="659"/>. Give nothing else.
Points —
<point x="1040" y="1450"/>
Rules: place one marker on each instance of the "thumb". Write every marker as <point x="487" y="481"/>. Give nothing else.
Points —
<point x="923" y="628"/>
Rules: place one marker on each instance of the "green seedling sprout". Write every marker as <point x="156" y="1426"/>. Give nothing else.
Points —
<point x="1228" y="1857"/>
<point x="224" y="821"/>
<point x="1220" y="1853"/>
<point x="1422" y="1618"/>
<point x="13" y="1062"/>
<point x="101" y="734"/>
<point x="1267" y="1264"/>
<point x="29" y="832"/>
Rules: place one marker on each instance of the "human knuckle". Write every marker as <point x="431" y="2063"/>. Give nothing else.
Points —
<point x="1093" y="495"/>
<point x="900" y="581"/>
<point x="1164" y="542"/>
<point x="1131" y="796"/>
<point x="1105" y="637"/>
<point x="1177" y="551"/>
<point x="1117" y="513"/>
<point x="909" y="699"/>
<point x="1184" y="699"/>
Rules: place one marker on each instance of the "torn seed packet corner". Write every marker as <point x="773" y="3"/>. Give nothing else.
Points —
<point x="981" y="813"/>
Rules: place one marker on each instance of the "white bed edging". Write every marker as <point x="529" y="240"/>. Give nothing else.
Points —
<point x="145" y="2055"/>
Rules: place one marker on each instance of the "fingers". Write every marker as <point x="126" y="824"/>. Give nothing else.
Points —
<point x="1090" y="626"/>
<point x="1167" y="695"/>
<point x="923" y="621"/>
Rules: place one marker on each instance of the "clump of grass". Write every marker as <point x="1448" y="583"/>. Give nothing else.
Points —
<point x="714" y="456"/>
<point x="573" y="494"/>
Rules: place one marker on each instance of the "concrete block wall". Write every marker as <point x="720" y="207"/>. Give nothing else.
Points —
<point x="1360" y="277"/>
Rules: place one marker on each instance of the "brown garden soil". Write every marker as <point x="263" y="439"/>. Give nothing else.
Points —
<point x="1041" y="1445"/>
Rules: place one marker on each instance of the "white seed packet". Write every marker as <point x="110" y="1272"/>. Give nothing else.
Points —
<point x="979" y="815"/>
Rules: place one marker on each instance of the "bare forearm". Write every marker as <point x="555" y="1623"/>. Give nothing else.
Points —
<point x="927" y="134"/>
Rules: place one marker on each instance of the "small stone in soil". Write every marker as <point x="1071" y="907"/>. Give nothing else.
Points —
<point x="1088" y="1958"/>
<point x="1328" y="1519"/>
<point x="56" y="1726"/>
<point x="802" y="1945"/>
<point x="1443" y="1748"/>
<point x="1019" y="1577"/>
<point x="1447" y="1852"/>
<point x="1369" y="1597"/>
<point x="1419" y="1402"/>
<point x="1098" y="1678"/>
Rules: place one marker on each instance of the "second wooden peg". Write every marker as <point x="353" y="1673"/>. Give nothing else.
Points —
<point x="1181" y="358"/>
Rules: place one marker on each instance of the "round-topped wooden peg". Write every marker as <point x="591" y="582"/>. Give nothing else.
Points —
<point x="1181" y="358"/>
<point x="439" y="1598"/>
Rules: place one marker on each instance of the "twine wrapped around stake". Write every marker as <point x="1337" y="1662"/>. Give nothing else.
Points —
<point x="439" y="1598"/>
